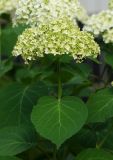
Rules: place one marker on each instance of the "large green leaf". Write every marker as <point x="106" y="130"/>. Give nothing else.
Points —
<point x="94" y="154"/>
<point x="9" y="158"/>
<point x="16" y="102"/>
<point x="14" y="140"/>
<point x="100" y="106"/>
<point x="59" y="120"/>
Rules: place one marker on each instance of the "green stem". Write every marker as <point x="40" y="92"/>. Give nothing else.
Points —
<point x="44" y="152"/>
<point x="55" y="153"/>
<point x="59" y="98"/>
<point x="65" y="153"/>
<point x="59" y="82"/>
<point x="0" y="45"/>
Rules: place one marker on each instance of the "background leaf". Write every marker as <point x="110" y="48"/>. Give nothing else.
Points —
<point x="9" y="158"/>
<point x="100" y="106"/>
<point x="105" y="134"/>
<point x="109" y="58"/>
<point x="16" y="102"/>
<point x="14" y="140"/>
<point x="85" y="138"/>
<point x="94" y="154"/>
<point x="5" y="66"/>
<point x="59" y="120"/>
<point x="9" y="37"/>
<point x="80" y="73"/>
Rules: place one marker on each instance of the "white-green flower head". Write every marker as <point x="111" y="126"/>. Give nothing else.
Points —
<point x="59" y="37"/>
<point x="110" y="4"/>
<point x="108" y="36"/>
<point x="34" y="12"/>
<point x="82" y="15"/>
<point x="99" y="23"/>
<point x="7" y="6"/>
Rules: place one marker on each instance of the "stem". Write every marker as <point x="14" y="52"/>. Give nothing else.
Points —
<point x="55" y="153"/>
<point x="59" y="98"/>
<point x="44" y="152"/>
<point x="65" y="153"/>
<point x="0" y="45"/>
<point x="59" y="83"/>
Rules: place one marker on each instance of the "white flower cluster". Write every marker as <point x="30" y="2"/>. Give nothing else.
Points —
<point x="81" y="14"/>
<point x="34" y="12"/>
<point x="60" y="36"/>
<point x="99" y="23"/>
<point x="108" y="36"/>
<point x="53" y="30"/>
<point x="110" y="4"/>
<point x="7" y="6"/>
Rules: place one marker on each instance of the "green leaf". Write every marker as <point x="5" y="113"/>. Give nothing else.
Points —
<point x="106" y="134"/>
<point x="14" y="140"/>
<point x="16" y="102"/>
<point x="109" y="59"/>
<point x="83" y="69"/>
<point x="100" y="106"/>
<point x="9" y="158"/>
<point x="58" y="120"/>
<point x="65" y="58"/>
<point x="80" y="73"/>
<point x="109" y="141"/>
<point x="95" y="60"/>
<point x="83" y="139"/>
<point x="26" y="73"/>
<point x="5" y="66"/>
<point x="94" y="154"/>
<point x="9" y="37"/>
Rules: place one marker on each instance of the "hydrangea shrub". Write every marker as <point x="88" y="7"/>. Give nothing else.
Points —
<point x="56" y="95"/>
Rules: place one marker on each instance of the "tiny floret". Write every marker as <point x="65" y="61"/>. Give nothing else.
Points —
<point x="60" y="36"/>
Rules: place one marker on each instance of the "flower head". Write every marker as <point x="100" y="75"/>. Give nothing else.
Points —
<point x="59" y="37"/>
<point x="34" y="12"/>
<point x="81" y="14"/>
<point x="108" y="36"/>
<point x="99" y="23"/>
<point x="7" y="5"/>
<point x="110" y="4"/>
